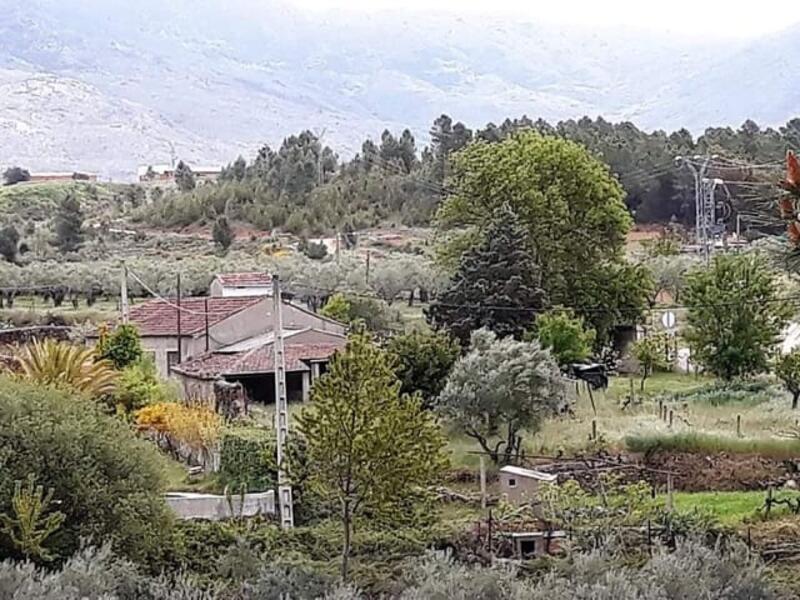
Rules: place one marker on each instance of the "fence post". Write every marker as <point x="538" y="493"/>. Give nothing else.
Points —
<point x="489" y="534"/>
<point x="738" y="425"/>
<point x="660" y="407"/>
<point x="483" y="482"/>
<point x="669" y="493"/>
<point x="670" y="419"/>
<point x="594" y="429"/>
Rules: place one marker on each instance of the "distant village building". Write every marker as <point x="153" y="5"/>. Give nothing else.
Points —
<point x="65" y="176"/>
<point x="230" y="339"/>
<point x="520" y="485"/>
<point x="230" y="285"/>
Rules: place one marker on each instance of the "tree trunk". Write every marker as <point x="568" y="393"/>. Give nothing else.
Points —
<point x="795" y="398"/>
<point x="347" y="527"/>
<point x="411" y="298"/>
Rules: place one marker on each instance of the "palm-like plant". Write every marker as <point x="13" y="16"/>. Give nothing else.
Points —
<point x="66" y="366"/>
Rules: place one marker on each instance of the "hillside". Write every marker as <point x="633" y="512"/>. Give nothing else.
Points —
<point x="108" y="86"/>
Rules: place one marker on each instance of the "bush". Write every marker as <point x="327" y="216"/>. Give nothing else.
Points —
<point x="122" y="346"/>
<point x="139" y="385"/>
<point x="93" y="573"/>
<point x="108" y="483"/>
<point x="247" y="458"/>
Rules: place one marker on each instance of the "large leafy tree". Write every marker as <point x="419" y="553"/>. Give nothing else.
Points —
<point x="423" y="361"/>
<point x="501" y="388"/>
<point x="368" y="446"/>
<point x="69" y="224"/>
<point x="736" y="315"/>
<point x="569" y="204"/>
<point x="496" y="285"/>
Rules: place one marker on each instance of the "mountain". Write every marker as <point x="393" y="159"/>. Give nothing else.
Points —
<point x="105" y="86"/>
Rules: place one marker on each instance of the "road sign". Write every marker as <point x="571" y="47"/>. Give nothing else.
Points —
<point x="668" y="320"/>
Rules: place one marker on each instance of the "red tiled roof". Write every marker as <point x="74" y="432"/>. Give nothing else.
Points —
<point x="258" y="360"/>
<point x="157" y="317"/>
<point x="245" y="279"/>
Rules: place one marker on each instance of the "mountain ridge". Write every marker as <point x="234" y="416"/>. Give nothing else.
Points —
<point x="214" y="81"/>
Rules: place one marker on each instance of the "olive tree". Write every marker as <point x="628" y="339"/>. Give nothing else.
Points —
<point x="500" y="388"/>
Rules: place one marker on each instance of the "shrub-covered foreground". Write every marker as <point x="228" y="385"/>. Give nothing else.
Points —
<point x="106" y="482"/>
<point x="692" y="571"/>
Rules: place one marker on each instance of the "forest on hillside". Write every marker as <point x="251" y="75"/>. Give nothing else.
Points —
<point x="305" y="188"/>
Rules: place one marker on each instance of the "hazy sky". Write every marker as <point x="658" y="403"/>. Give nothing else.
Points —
<point x="731" y="18"/>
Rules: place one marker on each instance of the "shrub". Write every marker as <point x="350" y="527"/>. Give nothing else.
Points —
<point x="106" y="482"/>
<point x="187" y="432"/>
<point x="122" y="346"/>
<point x="247" y="458"/>
<point x="139" y="385"/>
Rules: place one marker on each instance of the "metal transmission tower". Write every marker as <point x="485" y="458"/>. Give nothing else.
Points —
<point x="281" y="407"/>
<point x="714" y="214"/>
<point x="699" y="176"/>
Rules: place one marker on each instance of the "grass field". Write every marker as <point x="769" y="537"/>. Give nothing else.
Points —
<point x="703" y="426"/>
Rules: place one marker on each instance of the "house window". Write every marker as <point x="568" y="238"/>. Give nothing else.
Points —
<point x="172" y="359"/>
<point x="512" y="482"/>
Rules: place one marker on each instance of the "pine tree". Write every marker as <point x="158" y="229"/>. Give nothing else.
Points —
<point x="184" y="178"/>
<point x="69" y="224"/>
<point x="222" y="233"/>
<point x="496" y="285"/>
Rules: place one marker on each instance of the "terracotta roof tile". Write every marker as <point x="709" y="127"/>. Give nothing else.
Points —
<point x="157" y="317"/>
<point x="258" y="360"/>
<point x="257" y="278"/>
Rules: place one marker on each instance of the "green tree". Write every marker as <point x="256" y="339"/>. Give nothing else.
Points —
<point x="368" y="446"/>
<point x="787" y="369"/>
<point x="337" y="308"/>
<point x="735" y="315"/>
<point x="568" y="202"/>
<point x="501" y="388"/>
<point x="223" y="233"/>
<point x="32" y="522"/>
<point x="565" y="335"/>
<point x="423" y="361"/>
<point x="69" y="224"/>
<point x="184" y="178"/>
<point x="122" y="347"/>
<point x="108" y="482"/>
<point x="651" y="354"/>
<point x="14" y="175"/>
<point x="9" y="243"/>
<point x="496" y="285"/>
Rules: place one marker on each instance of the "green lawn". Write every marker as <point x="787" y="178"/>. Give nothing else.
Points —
<point x="731" y="508"/>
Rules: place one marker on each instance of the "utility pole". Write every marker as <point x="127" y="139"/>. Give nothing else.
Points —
<point x="178" y="309"/>
<point x="205" y="311"/>
<point x="281" y="407"/>
<point x="123" y="292"/>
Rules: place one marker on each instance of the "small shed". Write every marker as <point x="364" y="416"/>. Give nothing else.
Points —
<point x="521" y="485"/>
<point x="537" y="543"/>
